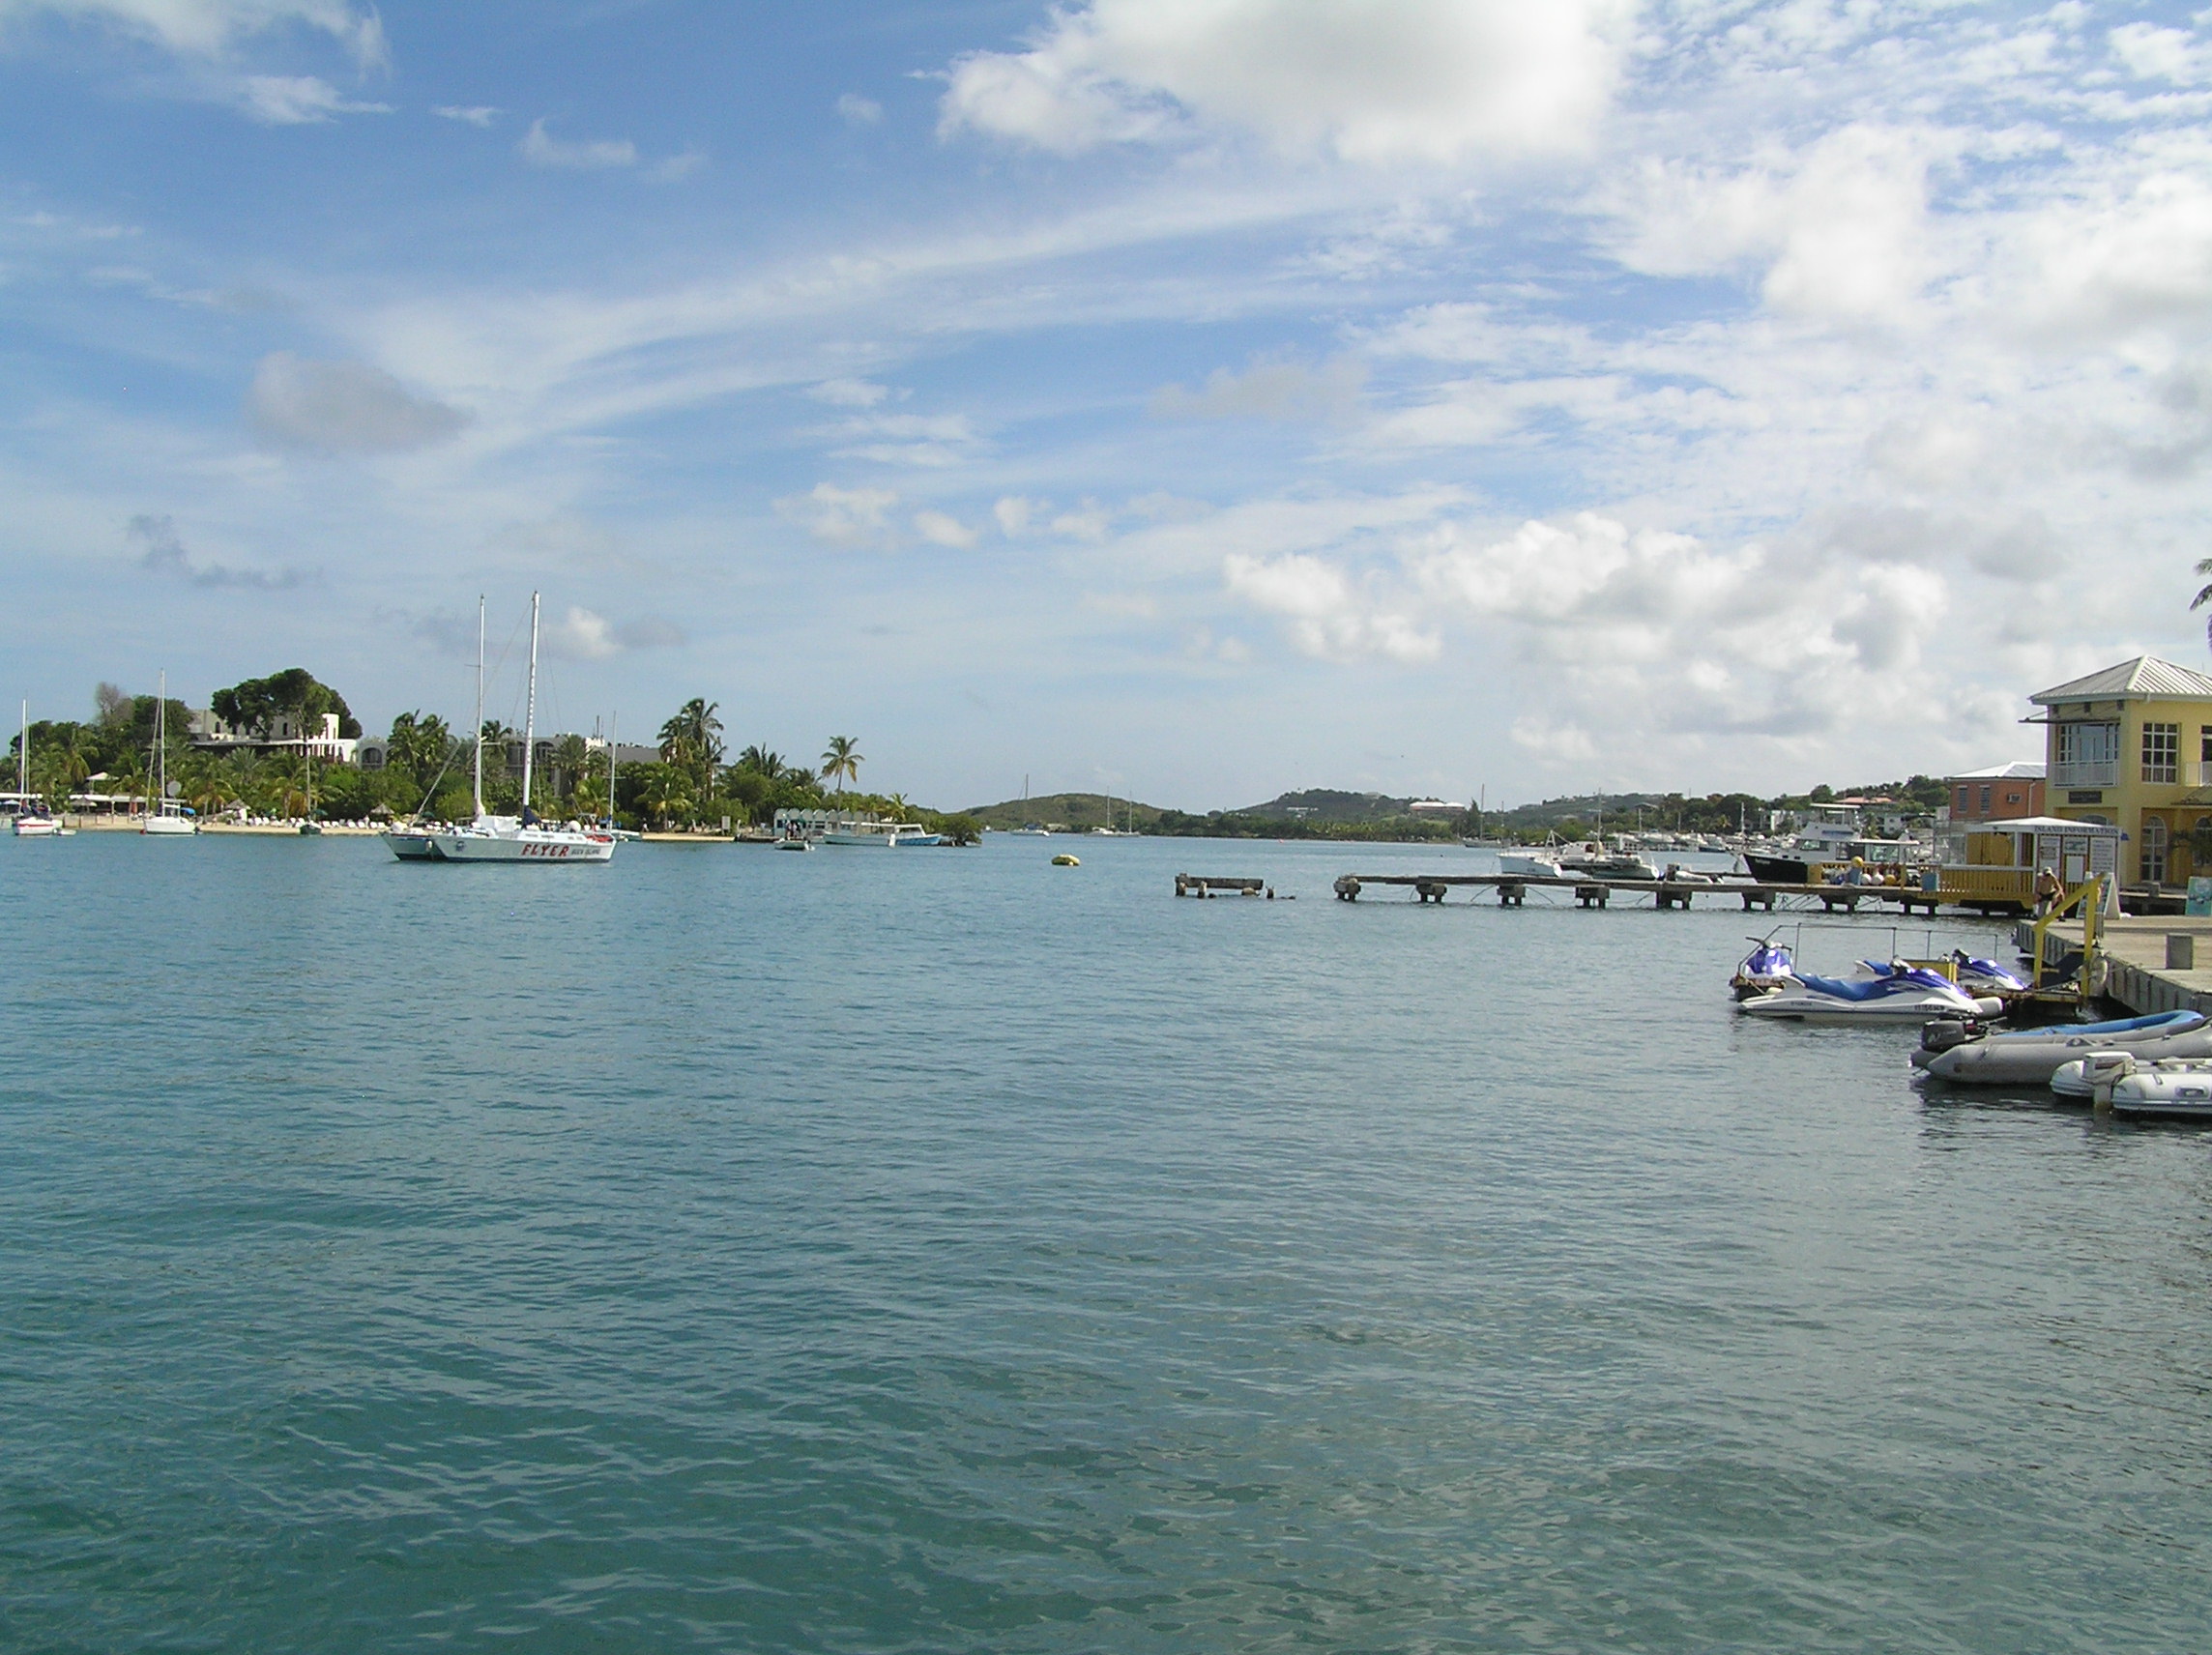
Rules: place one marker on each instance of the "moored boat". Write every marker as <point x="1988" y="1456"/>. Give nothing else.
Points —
<point x="2024" y="1057"/>
<point x="2175" y="1086"/>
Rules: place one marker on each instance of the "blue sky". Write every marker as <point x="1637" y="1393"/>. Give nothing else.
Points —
<point x="1186" y="397"/>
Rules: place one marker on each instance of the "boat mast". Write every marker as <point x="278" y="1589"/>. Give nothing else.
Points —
<point x="479" y="787"/>
<point x="614" y="725"/>
<point x="162" y="741"/>
<point x="23" y="760"/>
<point x="530" y="712"/>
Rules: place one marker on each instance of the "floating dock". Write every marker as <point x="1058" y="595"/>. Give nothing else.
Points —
<point x="2144" y="960"/>
<point x="1513" y="889"/>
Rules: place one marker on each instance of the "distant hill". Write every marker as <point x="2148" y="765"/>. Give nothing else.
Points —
<point x="1076" y="810"/>
<point x="1319" y="805"/>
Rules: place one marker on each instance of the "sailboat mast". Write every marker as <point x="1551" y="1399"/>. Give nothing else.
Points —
<point x="479" y="787"/>
<point x="614" y="727"/>
<point x="161" y="741"/>
<point x="530" y="712"/>
<point x="23" y="759"/>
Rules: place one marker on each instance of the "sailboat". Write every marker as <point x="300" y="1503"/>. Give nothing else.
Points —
<point x="169" y="818"/>
<point x="1028" y="830"/>
<point x="33" y="820"/>
<point x="521" y="838"/>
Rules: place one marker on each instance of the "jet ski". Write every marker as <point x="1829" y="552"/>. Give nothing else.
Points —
<point x="1768" y="966"/>
<point x="1969" y="1056"/>
<point x="1895" y="996"/>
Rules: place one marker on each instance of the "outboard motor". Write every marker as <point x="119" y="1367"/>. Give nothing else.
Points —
<point x="1946" y="1032"/>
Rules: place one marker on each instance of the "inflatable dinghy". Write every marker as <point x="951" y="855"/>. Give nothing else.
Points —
<point x="2032" y="1056"/>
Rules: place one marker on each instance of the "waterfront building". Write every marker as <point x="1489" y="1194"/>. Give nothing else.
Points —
<point x="207" y="731"/>
<point x="2130" y="747"/>
<point x="2001" y="793"/>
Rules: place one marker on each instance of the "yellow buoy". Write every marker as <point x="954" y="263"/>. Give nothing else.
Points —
<point x="1064" y="860"/>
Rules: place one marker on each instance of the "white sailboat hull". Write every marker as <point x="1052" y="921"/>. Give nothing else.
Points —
<point x="541" y="845"/>
<point x="167" y="826"/>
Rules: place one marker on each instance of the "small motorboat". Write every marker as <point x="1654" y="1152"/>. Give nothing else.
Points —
<point x="2178" y="1087"/>
<point x="1064" y="860"/>
<point x="1913" y="993"/>
<point x="1967" y="1056"/>
<point x="1529" y="864"/>
<point x="795" y="842"/>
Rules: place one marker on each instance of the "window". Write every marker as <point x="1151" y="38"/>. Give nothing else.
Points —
<point x="2087" y="756"/>
<point x="1985" y="800"/>
<point x="1963" y="794"/>
<point x="2153" y="856"/>
<point x="2162" y="752"/>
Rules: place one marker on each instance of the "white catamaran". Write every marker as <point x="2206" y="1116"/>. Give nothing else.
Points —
<point x="521" y="838"/>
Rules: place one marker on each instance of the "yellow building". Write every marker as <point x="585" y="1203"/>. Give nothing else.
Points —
<point x="2131" y="745"/>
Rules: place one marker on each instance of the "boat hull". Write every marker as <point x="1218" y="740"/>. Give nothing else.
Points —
<point x="529" y="845"/>
<point x="168" y="828"/>
<point x="410" y="847"/>
<point x="2033" y="1056"/>
<point x="38" y="828"/>
<point x="1778" y="870"/>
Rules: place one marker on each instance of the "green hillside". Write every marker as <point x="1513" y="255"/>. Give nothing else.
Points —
<point x="1072" y="810"/>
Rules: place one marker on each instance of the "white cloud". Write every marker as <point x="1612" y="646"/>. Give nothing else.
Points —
<point x="1842" y="228"/>
<point x="584" y="636"/>
<point x="859" y="111"/>
<point x="849" y="392"/>
<point x="298" y="100"/>
<point x="1268" y="389"/>
<point x="342" y="407"/>
<point x="941" y="529"/>
<point x="908" y="439"/>
<point x="2153" y="53"/>
<point x="1330" y="616"/>
<point x="849" y="518"/>
<point x="475" y="114"/>
<point x="1012" y="513"/>
<point x="541" y="148"/>
<point x="208" y="28"/>
<point x="1388" y="80"/>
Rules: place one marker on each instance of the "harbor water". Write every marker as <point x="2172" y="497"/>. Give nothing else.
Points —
<point x="727" y="1250"/>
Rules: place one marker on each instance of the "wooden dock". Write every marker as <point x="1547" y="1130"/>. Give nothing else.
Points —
<point x="1513" y="888"/>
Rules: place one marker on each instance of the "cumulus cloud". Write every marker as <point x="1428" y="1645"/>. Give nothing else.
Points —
<point x="1268" y="389"/>
<point x="584" y="636"/>
<point x="1330" y="615"/>
<point x="1387" y="80"/>
<point x="1841" y="228"/>
<point x="208" y="28"/>
<point x="1012" y="513"/>
<point x="846" y="518"/>
<point x="342" y="407"/>
<point x="539" y="148"/>
<point x="165" y="554"/>
<point x="941" y="529"/>
<point x="298" y="100"/>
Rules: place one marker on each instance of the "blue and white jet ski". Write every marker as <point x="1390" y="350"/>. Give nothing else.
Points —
<point x="1767" y="967"/>
<point x="1897" y="994"/>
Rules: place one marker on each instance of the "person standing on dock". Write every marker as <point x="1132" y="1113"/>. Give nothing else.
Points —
<point x="2048" y="891"/>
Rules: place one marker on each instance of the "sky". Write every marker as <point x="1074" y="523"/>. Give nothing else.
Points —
<point x="1187" y="398"/>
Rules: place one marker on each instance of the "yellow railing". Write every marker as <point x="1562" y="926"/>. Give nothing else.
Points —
<point x="2089" y="898"/>
<point x="1990" y="885"/>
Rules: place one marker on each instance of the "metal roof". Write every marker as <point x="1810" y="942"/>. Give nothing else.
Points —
<point x="2044" y="825"/>
<point x="2004" y="773"/>
<point x="2131" y="680"/>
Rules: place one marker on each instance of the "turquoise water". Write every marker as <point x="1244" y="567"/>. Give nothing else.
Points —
<point x="916" y="1251"/>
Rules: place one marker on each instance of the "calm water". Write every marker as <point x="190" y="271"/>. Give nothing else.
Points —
<point x="730" y="1250"/>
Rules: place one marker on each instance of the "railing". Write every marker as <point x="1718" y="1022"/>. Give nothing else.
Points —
<point x="2106" y="773"/>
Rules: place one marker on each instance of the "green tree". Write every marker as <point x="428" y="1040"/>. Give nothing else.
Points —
<point x="693" y="740"/>
<point x="255" y="705"/>
<point x="667" y="797"/>
<point x="421" y="744"/>
<point x="2204" y="595"/>
<point x="841" y="761"/>
<point x="571" y="757"/>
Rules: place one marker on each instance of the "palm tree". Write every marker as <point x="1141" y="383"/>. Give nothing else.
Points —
<point x="667" y="795"/>
<point x="841" y="761"/>
<point x="420" y="745"/>
<point x="570" y="758"/>
<point x="2203" y="596"/>
<point x="693" y="739"/>
<point x="761" y="761"/>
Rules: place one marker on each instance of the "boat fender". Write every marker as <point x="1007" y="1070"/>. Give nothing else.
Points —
<point x="2100" y="975"/>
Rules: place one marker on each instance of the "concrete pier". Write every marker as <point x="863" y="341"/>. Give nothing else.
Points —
<point x="2136" y="949"/>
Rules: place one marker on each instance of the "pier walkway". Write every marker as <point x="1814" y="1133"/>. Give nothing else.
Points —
<point x="2135" y="951"/>
<point x="1513" y="888"/>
